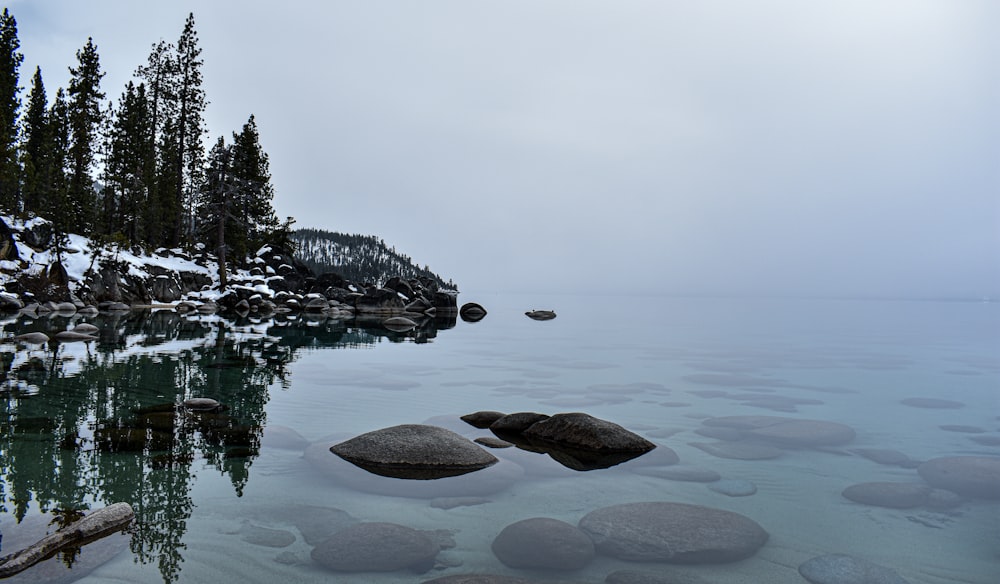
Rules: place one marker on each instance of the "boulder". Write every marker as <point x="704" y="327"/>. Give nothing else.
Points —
<point x="845" y="569"/>
<point x="543" y="542"/>
<point x="414" y="451"/>
<point x="515" y="424"/>
<point x="71" y="336"/>
<point x="585" y="432"/>
<point x="399" y="324"/>
<point x="972" y="476"/>
<point x="673" y="533"/>
<point x="472" y="312"/>
<point x="377" y="547"/>
<point x="34" y="337"/>
<point x="540" y="314"/>
<point x="482" y="419"/>
<point x="487" y="481"/>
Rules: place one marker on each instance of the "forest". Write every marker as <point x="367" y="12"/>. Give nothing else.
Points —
<point x="135" y="171"/>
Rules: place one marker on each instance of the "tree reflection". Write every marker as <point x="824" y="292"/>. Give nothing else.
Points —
<point x="96" y="423"/>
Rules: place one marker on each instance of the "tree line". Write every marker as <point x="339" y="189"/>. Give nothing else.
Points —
<point x="358" y="258"/>
<point x="135" y="171"/>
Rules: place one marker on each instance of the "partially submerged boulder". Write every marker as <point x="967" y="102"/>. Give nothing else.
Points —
<point x="576" y="440"/>
<point x="414" y="451"/>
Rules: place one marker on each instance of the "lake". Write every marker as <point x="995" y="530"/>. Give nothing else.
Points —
<point x="246" y="494"/>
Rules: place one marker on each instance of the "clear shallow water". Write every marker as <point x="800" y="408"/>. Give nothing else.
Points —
<point x="658" y="366"/>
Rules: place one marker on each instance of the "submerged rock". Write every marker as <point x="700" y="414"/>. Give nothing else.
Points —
<point x="377" y="547"/>
<point x="734" y="487"/>
<point x="932" y="403"/>
<point x="543" y="542"/>
<point x="845" y="569"/>
<point x="673" y="532"/>
<point x="787" y="431"/>
<point x="972" y="476"/>
<point x="889" y="494"/>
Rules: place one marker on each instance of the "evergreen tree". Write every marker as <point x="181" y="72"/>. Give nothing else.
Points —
<point x="219" y="226"/>
<point x="190" y="126"/>
<point x="53" y="173"/>
<point x="10" y="62"/>
<point x="35" y="145"/>
<point x="85" y="118"/>
<point x="126" y="169"/>
<point x="252" y="173"/>
<point x="159" y="74"/>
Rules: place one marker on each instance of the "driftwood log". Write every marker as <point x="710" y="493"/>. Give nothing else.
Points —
<point x="98" y="524"/>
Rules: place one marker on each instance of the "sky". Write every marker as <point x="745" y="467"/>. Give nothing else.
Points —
<point x="724" y="147"/>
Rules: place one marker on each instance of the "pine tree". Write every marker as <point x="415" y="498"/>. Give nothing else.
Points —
<point x="251" y="170"/>
<point x="190" y="126"/>
<point x="85" y="117"/>
<point x="218" y="198"/>
<point x="35" y="145"/>
<point x="126" y="169"/>
<point x="159" y="74"/>
<point x="54" y="172"/>
<point x="10" y="62"/>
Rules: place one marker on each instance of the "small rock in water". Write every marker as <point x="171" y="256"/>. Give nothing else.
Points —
<point x="845" y="569"/>
<point x="963" y="429"/>
<point x="932" y="403"/>
<point x="680" y="473"/>
<point x="734" y="487"/>
<point x="452" y="502"/>
<point x="267" y="537"/>
<point x="202" y="404"/>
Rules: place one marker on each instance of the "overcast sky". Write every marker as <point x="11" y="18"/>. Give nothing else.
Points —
<point x="716" y="147"/>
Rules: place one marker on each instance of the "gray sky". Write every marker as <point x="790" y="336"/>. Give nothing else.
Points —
<point x="717" y="147"/>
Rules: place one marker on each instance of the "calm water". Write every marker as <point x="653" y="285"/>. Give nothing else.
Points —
<point x="229" y="498"/>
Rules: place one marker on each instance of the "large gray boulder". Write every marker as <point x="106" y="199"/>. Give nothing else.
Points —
<point x="673" y="532"/>
<point x="972" y="476"/>
<point x="414" y="451"/>
<point x="487" y="481"/>
<point x="377" y="547"/>
<point x="583" y="431"/>
<point x="543" y="542"/>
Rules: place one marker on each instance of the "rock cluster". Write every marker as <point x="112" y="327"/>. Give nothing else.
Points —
<point x="575" y="440"/>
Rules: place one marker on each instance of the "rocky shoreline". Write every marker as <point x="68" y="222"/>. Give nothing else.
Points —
<point x="40" y="275"/>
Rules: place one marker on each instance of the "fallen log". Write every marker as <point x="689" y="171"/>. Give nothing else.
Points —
<point x="96" y="525"/>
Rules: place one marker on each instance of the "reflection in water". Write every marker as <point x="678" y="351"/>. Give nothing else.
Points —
<point x="93" y="423"/>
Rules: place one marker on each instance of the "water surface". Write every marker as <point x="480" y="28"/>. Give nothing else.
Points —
<point x="225" y="497"/>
